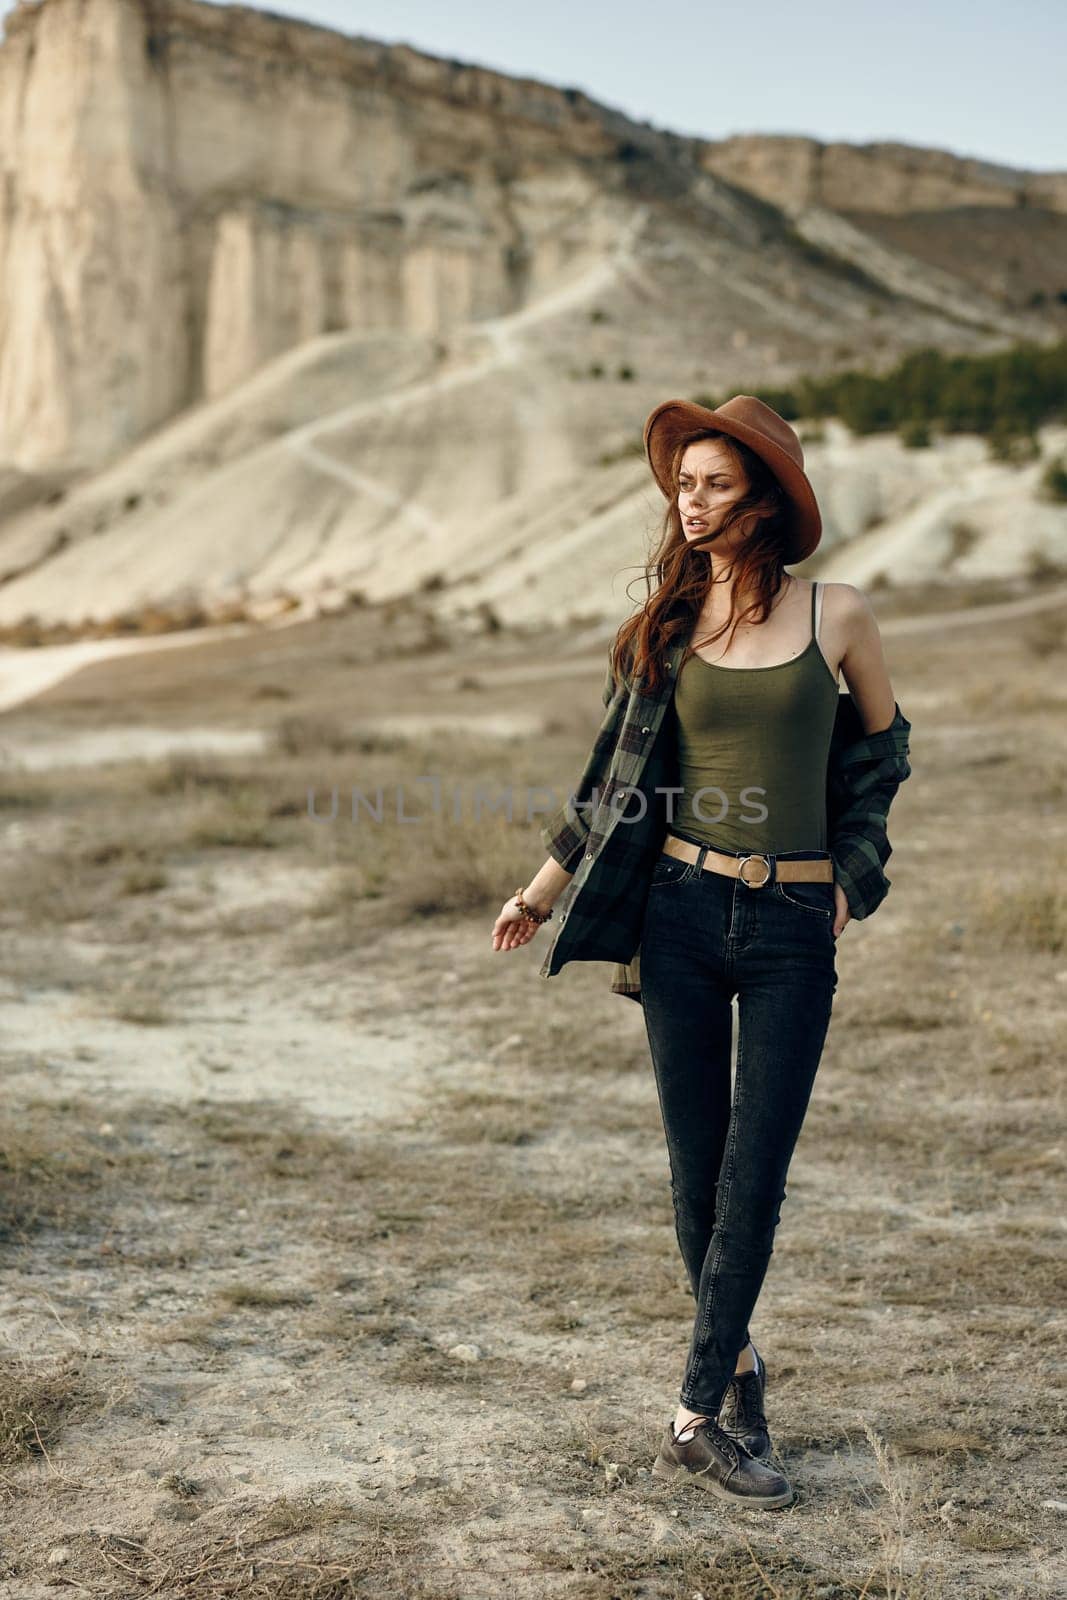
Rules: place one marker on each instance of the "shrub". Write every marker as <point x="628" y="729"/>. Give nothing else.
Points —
<point x="1054" y="479"/>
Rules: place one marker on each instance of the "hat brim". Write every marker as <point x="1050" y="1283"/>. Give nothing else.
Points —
<point x="674" y="418"/>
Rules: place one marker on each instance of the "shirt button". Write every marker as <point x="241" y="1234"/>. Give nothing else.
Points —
<point x="646" y="730"/>
<point x="563" y="916"/>
<point x="589" y="855"/>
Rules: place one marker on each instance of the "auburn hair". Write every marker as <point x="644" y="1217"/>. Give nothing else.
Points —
<point x="678" y="578"/>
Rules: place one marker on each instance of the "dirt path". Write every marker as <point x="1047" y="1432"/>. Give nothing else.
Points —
<point x="25" y="674"/>
<point x="504" y="350"/>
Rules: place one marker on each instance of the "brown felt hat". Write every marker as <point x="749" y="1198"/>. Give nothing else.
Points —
<point x="764" y="431"/>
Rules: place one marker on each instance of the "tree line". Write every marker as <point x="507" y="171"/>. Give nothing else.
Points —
<point x="1004" y="395"/>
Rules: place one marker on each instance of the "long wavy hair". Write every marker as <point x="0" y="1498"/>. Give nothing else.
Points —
<point x="679" y="578"/>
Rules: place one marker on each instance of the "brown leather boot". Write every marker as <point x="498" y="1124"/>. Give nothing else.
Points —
<point x="741" y="1413"/>
<point x="714" y="1461"/>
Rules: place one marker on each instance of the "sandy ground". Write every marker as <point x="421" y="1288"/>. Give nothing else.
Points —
<point x="338" y="1253"/>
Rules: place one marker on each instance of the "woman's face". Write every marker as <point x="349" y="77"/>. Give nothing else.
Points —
<point x="710" y="481"/>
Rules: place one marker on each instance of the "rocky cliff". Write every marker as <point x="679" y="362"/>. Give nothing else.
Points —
<point x="189" y="190"/>
<point x="294" y="318"/>
<point x="883" y="177"/>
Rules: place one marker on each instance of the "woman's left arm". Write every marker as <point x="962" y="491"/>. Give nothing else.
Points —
<point x="863" y="665"/>
<point x="871" y="768"/>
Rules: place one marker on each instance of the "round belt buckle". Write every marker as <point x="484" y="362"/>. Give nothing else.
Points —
<point x="741" y="872"/>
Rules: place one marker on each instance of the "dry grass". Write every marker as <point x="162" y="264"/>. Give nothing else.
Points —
<point x="1045" y="636"/>
<point x="317" y="1550"/>
<point x="408" y="1210"/>
<point x="38" y="1403"/>
<point x="270" y="1352"/>
<point x="1026" y="917"/>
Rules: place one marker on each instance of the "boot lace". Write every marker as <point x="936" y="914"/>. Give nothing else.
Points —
<point x="747" y="1408"/>
<point x="728" y="1445"/>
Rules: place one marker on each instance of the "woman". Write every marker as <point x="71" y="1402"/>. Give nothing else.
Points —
<point x="760" y="831"/>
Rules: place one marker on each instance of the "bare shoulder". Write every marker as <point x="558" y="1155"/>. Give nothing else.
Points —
<point x="844" y="599"/>
<point x="849" y="610"/>
<point x="848" y="632"/>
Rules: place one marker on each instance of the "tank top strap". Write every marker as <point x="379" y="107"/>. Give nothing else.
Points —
<point x="814" y="596"/>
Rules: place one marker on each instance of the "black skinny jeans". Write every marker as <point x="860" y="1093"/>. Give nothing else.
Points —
<point x="707" y="937"/>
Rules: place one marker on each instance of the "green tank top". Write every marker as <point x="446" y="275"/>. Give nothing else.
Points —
<point x="757" y="740"/>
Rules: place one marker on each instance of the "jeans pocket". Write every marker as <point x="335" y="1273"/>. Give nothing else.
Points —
<point x="815" y="898"/>
<point x="668" y="871"/>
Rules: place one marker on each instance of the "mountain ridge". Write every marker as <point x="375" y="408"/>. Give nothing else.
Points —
<point x="394" y="332"/>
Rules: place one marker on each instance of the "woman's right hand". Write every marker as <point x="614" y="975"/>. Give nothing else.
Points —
<point x="511" y="928"/>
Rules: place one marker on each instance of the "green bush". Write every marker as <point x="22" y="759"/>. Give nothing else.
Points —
<point x="1009" y="443"/>
<point x="1054" y="479"/>
<point x="1005" y="395"/>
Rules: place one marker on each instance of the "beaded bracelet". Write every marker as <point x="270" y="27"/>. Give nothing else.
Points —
<point x="528" y="912"/>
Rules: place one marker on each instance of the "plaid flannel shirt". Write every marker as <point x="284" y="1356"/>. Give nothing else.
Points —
<point x="609" y="832"/>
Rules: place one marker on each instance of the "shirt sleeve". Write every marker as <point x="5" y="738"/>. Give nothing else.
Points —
<point x="859" y="839"/>
<point x="565" y="833"/>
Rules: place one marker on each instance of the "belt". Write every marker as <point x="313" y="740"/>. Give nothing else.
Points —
<point x="818" y="871"/>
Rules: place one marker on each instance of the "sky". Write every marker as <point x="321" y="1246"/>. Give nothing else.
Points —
<point x="975" y="77"/>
